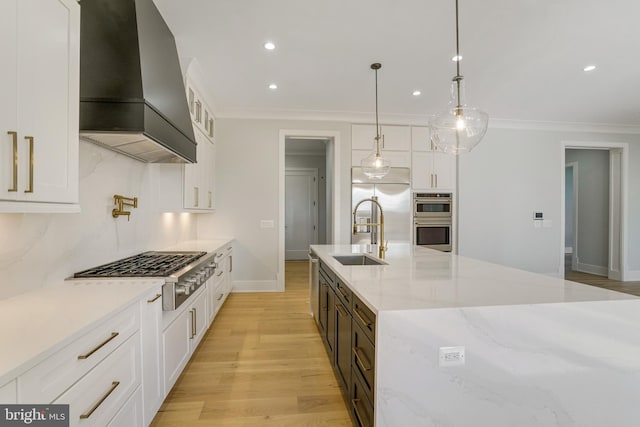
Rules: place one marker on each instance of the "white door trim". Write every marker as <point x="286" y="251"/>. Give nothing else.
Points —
<point x="619" y="185"/>
<point x="334" y="139"/>
<point x="574" y="251"/>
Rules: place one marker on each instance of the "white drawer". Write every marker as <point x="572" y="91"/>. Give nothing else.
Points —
<point x="130" y="415"/>
<point x="99" y="395"/>
<point x="49" y="379"/>
<point x="8" y="393"/>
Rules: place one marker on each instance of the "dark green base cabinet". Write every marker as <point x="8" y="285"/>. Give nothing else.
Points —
<point x="347" y="328"/>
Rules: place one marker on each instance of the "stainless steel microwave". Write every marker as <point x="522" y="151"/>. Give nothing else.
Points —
<point x="432" y="205"/>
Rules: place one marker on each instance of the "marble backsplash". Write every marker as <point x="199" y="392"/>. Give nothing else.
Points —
<point x="38" y="250"/>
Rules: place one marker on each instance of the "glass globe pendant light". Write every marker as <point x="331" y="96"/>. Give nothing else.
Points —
<point x="374" y="165"/>
<point x="460" y="128"/>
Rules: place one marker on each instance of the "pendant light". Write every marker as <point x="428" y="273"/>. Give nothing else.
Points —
<point x="460" y="128"/>
<point x="374" y="165"/>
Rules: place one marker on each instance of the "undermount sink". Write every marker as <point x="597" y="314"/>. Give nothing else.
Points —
<point x="358" y="260"/>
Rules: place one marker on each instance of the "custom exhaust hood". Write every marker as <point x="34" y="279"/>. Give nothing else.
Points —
<point x="132" y="94"/>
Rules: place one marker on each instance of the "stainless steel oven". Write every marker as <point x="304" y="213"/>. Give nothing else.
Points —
<point x="432" y="220"/>
<point x="433" y="233"/>
<point x="432" y="205"/>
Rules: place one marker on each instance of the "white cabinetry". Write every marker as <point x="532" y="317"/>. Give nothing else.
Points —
<point x="199" y="178"/>
<point x="39" y="92"/>
<point x="151" y="338"/>
<point x="397" y="138"/>
<point x="395" y="146"/>
<point x="430" y="169"/>
<point x="182" y="335"/>
<point x="96" y="374"/>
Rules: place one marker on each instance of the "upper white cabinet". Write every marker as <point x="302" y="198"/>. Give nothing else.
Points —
<point x="396" y="138"/>
<point x="199" y="178"/>
<point x="39" y="92"/>
<point x="430" y="169"/>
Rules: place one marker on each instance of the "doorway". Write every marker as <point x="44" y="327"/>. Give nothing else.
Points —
<point x="301" y="212"/>
<point x="308" y="149"/>
<point x="593" y="201"/>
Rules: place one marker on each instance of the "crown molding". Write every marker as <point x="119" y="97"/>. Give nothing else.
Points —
<point x="421" y="120"/>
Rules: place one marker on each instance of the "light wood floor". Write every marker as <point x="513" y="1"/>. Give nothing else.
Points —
<point x="262" y="363"/>
<point x="599" y="281"/>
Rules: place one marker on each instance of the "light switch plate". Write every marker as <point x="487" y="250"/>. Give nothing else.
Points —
<point x="266" y="223"/>
<point x="451" y="356"/>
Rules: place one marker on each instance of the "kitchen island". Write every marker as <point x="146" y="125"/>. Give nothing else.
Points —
<point x="461" y="342"/>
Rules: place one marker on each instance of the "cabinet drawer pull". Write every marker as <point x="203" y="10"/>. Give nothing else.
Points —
<point x="341" y="310"/>
<point x="220" y="297"/>
<point x="220" y="274"/>
<point x="193" y="323"/>
<point x="354" y="403"/>
<point x="230" y="263"/>
<point x="14" y="137"/>
<point x="86" y="415"/>
<point x="361" y="317"/>
<point x="343" y="293"/>
<point x="87" y="355"/>
<point x="356" y="352"/>
<point x="30" y="189"/>
<point x="154" y="299"/>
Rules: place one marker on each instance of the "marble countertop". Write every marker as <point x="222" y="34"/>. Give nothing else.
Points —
<point x="420" y="278"/>
<point x="39" y="323"/>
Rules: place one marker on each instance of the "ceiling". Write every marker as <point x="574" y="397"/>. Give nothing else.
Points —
<point x="523" y="60"/>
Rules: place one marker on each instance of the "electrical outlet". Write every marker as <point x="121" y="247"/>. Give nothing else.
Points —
<point x="451" y="356"/>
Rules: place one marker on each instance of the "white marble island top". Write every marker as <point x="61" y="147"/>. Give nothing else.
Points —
<point x="538" y="351"/>
<point x="420" y="278"/>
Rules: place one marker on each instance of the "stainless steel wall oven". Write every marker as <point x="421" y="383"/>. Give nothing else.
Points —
<point x="432" y="220"/>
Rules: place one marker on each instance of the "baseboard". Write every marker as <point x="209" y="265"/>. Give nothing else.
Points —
<point x="568" y="250"/>
<point x="592" y="269"/>
<point x="255" y="286"/>
<point x="632" y="276"/>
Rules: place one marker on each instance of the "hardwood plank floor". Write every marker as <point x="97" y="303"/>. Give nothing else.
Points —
<point x="599" y="281"/>
<point x="262" y="363"/>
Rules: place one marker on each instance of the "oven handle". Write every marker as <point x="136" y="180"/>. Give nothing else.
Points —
<point x="432" y="221"/>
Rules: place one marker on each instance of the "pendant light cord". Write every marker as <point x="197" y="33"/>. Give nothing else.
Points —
<point x="458" y="77"/>
<point x="376" y="67"/>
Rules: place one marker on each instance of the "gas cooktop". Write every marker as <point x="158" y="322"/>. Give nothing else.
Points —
<point x="146" y="264"/>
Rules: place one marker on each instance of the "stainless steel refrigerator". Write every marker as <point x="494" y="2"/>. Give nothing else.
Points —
<point x="393" y="193"/>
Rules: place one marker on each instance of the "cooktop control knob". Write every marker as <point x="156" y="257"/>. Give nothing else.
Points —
<point x="182" y="290"/>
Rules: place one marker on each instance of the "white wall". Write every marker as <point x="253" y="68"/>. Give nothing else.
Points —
<point x="513" y="173"/>
<point x="593" y="209"/>
<point x="37" y="250"/>
<point x="247" y="176"/>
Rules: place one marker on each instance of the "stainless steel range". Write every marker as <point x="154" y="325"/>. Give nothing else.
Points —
<point x="183" y="272"/>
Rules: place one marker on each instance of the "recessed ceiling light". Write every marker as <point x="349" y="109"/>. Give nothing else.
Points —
<point x="269" y="46"/>
<point x="457" y="58"/>
<point x="589" y="68"/>
<point x="416" y="93"/>
<point x="273" y="86"/>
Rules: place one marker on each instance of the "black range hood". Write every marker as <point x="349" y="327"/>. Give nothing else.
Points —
<point x="132" y="95"/>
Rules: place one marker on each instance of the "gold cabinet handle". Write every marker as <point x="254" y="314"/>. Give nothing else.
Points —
<point x="154" y="299"/>
<point x="193" y="323"/>
<point x="210" y="200"/>
<point x="361" y="318"/>
<point x="86" y="415"/>
<point x="14" y="138"/>
<point x="343" y="293"/>
<point x="354" y="403"/>
<point x="341" y="310"/>
<point x="356" y="352"/>
<point x="105" y="342"/>
<point x="196" y="196"/>
<point x="30" y="189"/>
